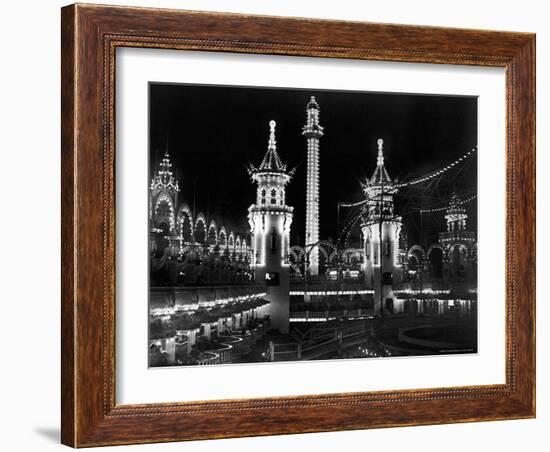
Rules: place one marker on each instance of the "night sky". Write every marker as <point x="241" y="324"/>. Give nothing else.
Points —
<point x="213" y="132"/>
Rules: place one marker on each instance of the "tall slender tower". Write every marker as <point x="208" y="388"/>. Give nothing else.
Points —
<point x="381" y="228"/>
<point x="270" y="219"/>
<point x="313" y="132"/>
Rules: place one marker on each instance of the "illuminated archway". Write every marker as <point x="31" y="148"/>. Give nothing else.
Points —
<point x="457" y="250"/>
<point x="324" y="249"/>
<point x="200" y="229"/>
<point x="212" y="233"/>
<point x="296" y="259"/>
<point x="418" y="251"/>
<point x="436" y="257"/>
<point x="415" y="259"/>
<point x="185" y="223"/>
<point x="458" y="255"/>
<point x="222" y="236"/>
<point x="164" y="210"/>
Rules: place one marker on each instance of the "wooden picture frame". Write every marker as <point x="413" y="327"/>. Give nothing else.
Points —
<point x="90" y="36"/>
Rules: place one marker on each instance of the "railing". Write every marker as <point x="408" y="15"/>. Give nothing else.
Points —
<point x="212" y="358"/>
<point x="232" y="346"/>
<point x="173" y="294"/>
<point x="457" y="235"/>
<point x="419" y="286"/>
<point x="324" y="316"/>
<point x="441" y="288"/>
<point x="328" y="284"/>
<point x="323" y="341"/>
<point x="224" y="352"/>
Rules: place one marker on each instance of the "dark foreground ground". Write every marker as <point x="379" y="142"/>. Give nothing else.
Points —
<point x="393" y="336"/>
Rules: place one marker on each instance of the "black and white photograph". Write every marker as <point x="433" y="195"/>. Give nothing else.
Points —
<point x="303" y="224"/>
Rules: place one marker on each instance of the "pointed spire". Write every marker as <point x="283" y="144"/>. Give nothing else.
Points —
<point x="165" y="164"/>
<point x="164" y="178"/>
<point x="312" y="103"/>
<point x="272" y="141"/>
<point x="312" y="129"/>
<point x="272" y="161"/>
<point x="380" y="160"/>
<point x="380" y="174"/>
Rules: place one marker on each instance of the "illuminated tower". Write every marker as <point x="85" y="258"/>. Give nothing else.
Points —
<point x="270" y="219"/>
<point x="460" y="261"/>
<point x="456" y="216"/>
<point x="381" y="228"/>
<point x="313" y="132"/>
<point x="163" y="196"/>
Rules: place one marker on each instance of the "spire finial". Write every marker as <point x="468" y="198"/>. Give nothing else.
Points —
<point x="166" y="153"/>
<point x="380" y="160"/>
<point x="271" y="161"/>
<point x="164" y="178"/>
<point x="312" y="103"/>
<point x="272" y="141"/>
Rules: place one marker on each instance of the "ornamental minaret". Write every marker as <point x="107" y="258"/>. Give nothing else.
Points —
<point x="381" y="229"/>
<point x="313" y="132"/>
<point x="270" y="219"/>
<point x="163" y="193"/>
<point x="460" y="260"/>
<point x="456" y="215"/>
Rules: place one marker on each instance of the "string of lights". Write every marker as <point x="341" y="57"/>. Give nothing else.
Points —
<point x="352" y="204"/>
<point x="416" y="181"/>
<point x="436" y="173"/>
<point x="441" y="209"/>
<point x="351" y="226"/>
<point x="428" y="181"/>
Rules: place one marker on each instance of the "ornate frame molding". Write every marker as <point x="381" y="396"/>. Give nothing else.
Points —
<point x="90" y="37"/>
